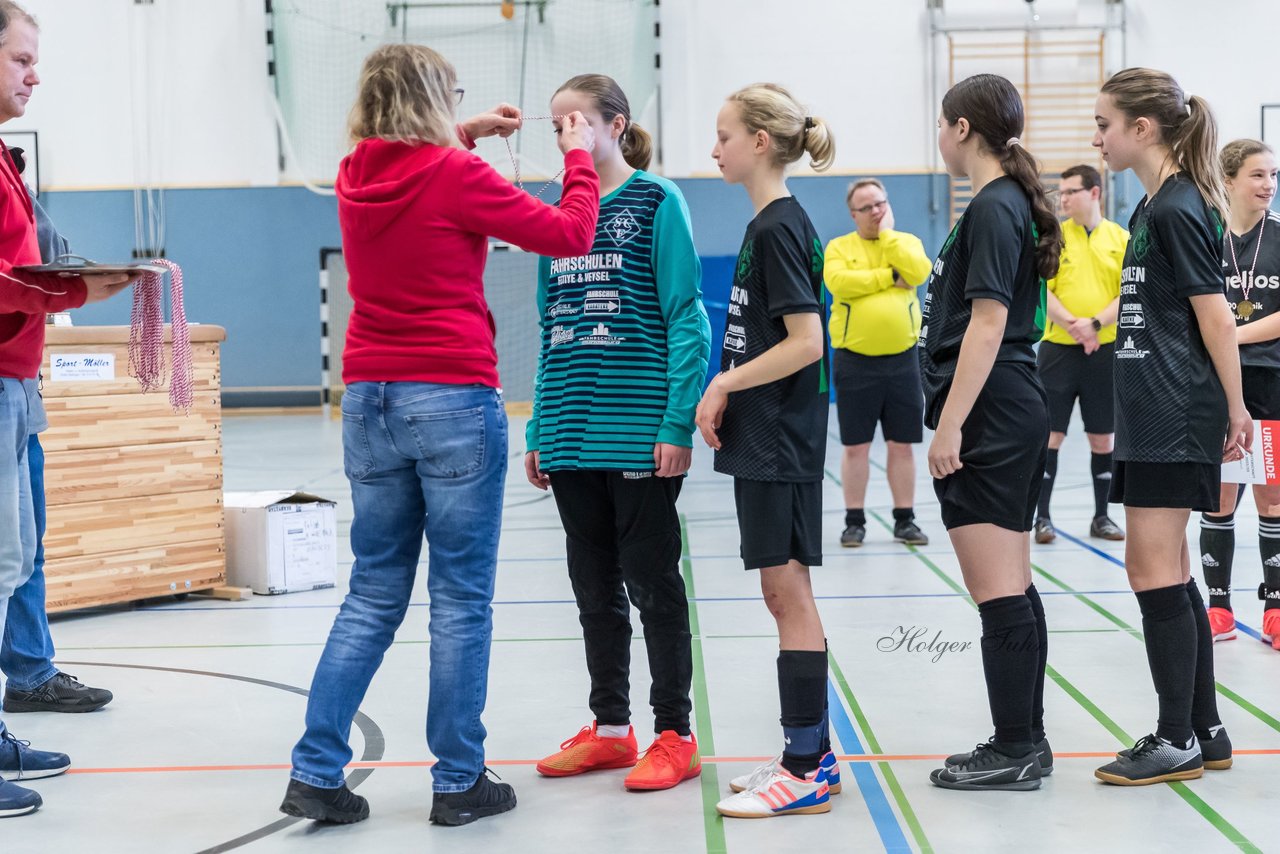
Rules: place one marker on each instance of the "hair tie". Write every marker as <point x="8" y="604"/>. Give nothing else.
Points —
<point x="1187" y="105"/>
<point x="808" y="122"/>
<point x="1012" y="141"/>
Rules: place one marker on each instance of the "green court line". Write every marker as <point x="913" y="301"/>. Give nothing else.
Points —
<point x="713" y="824"/>
<point x="900" y="796"/>
<point x="1233" y="835"/>
<point x="1240" y="701"/>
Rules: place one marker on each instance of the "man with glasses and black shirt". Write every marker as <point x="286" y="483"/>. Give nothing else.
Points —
<point x="1076" y="353"/>
<point x="872" y="274"/>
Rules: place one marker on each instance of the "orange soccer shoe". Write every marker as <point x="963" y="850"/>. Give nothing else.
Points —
<point x="587" y="751"/>
<point x="1223" y="623"/>
<point x="668" y="761"/>
<point x="1271" y="627"/>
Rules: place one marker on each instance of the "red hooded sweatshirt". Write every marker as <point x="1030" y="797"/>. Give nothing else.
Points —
<point x="415" y="225"/>
<point x="25" y="297"/>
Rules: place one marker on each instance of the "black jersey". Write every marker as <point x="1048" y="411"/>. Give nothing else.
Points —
<point x="777" y="431"/>
<point x="989" y="254"/>
<point x="1254" y="289"/>
<point x="1170" y="406"/>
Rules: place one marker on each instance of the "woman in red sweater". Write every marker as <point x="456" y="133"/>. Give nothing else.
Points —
<point x="424" y="432"/>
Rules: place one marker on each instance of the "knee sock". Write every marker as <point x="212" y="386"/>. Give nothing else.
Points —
<point x="824" y="747"/>
<point x="1269" y="545"/>
<point x="1204" y="702"/>
<point x="1171" y="637"/>
<point x="1100" y="466"/>
<point x="1042" y="634"/>
<point x="1217" y="551"/>
<point x="802" y="687"/>
<point x="854" y="516"/>
<point x="1010" y="653"/>
<point x="1046" y="487"/>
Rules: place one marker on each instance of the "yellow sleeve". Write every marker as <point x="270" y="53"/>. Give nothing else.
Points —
<point x="845" y="281"/>
<point x="905" y="253"/>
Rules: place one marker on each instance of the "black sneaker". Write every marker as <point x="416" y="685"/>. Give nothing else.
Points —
<point x="62" y="693"/>
<point x="1153" y="760"/>
<point x="1104" y="529"/>
<point x="853" y="536"/>
<point x="484" y="799"/>
<point x="1043" y="751"/>
<point x="987" y="769"/>
<point x="339" y="806"/>
<point x="907" y="531"/>
<point x="1044" y="532"/>
<point x="1215" y="750"/>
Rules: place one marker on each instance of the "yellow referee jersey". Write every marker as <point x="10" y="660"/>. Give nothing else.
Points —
<point x="1088" y="275"/>
<point x="869" y="314"/>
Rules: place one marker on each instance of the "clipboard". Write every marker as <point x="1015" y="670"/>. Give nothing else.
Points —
<point x="78" y="265"/>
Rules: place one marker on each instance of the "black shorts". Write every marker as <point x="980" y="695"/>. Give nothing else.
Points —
<point x="1194" y="486"/>
<point x="881" y="390"/>
<point x="779" y="521"/>
<point x="1261" y="391"/>
<point x="1068" y="374"/>
<point x="1002" y="447"/>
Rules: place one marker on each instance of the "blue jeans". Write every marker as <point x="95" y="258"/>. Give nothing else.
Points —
<point x="26" y="654"/>
<point x="20" y="410"/>
<point x="421" y="458"/>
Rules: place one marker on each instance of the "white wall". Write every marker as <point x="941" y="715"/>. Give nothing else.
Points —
<point x="862" y="64"/>
<point x="199" y="108"/>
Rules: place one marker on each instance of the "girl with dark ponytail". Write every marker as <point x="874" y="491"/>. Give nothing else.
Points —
<point x="983" y="313"/>
<point x="1180" y="411"/>
<point x="625" y="344"/>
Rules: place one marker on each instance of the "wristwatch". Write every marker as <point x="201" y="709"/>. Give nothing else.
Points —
<point x="1097" y="324"/>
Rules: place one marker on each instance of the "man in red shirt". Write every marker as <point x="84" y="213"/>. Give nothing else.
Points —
<point x="24" y="300"/>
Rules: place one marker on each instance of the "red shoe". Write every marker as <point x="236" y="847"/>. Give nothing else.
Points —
<point x="1271" y="627"/>
<point x="587" y="751"/>
<point x="1223" y="623"/>
<point x="668" y="761"/>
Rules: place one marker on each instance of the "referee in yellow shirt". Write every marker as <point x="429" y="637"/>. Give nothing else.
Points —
<point x="872" y="274"/>
<point x="1077" y="352"/>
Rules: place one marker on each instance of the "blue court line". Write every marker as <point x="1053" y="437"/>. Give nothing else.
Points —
<point x="886" y="820"/>
<point x="241" y="607"/>
<point x="1248" y="630"/>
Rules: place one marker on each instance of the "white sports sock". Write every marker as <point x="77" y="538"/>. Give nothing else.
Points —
<point x="613" y="731"/>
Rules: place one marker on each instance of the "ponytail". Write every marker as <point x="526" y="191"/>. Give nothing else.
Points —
<point x="994" y="110"/>
<point x="637" y="146"/>
<point x="1186" y="123"/>
<point x="1019" y="165"/>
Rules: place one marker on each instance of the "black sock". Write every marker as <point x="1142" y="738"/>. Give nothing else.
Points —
<point x="1010" y="653"/>
<point x="904" y="514"/>
<point x="1100" y="466"/>
<point x="1042" y="633"/>
<point x="1217" y="550"/>
<point x="1171" y="636"/>
<point x="1046" y="487"/>
<point x="802" y="688"/>
<point x="825" y="745"/>
<point x="854" y="516"/>
<point x="1204" y="702"/>
<point x="1269" y="545"/>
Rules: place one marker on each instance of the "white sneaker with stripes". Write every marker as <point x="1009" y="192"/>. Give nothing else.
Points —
<point x="779" y="793"/>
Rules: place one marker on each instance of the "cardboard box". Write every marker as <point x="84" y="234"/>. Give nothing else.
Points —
<point x="281" y="541"/>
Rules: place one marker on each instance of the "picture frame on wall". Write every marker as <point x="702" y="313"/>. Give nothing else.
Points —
<point x="1271" y="124"/>
<point x="29" y="142"/>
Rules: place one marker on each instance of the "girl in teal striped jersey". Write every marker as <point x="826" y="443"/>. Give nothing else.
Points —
<point x="624" y="349"/>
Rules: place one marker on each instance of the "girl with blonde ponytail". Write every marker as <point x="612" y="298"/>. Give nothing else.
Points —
<point x="983" y="314"/>
<point x="1180" y="411"/>
<point x="625" y="343"/>
<point x="765" y="413"/>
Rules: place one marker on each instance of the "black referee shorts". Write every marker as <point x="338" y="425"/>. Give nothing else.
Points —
<point x="1068" y="374"/>
<point x="882" y="390"/>
<point x="1195" y="486"/>
<point x="1002" y="446"/>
